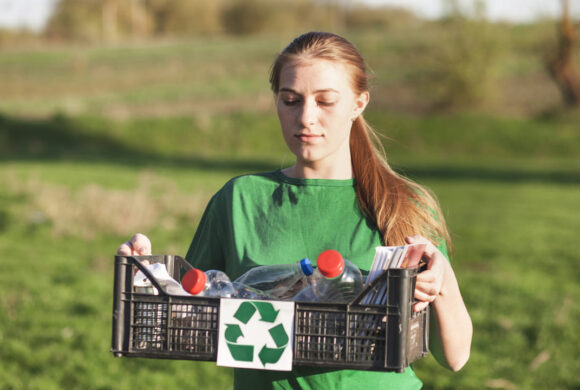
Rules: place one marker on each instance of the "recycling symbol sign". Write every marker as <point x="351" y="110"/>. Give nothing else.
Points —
<point x="255" y="334"/>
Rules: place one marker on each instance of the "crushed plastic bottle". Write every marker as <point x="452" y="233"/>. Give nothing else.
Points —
<point x="211" y="283"/>
<point x="281" y="281"/>
<point x="143" y="285"/>
<point x="159" y="272"/>
<point x="335" y="280"/>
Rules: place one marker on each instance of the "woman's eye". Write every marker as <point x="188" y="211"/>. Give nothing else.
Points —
<point x="290" y="102"/>
<point x="325" y="103"/>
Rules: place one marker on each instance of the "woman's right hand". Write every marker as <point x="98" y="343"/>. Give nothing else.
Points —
<point x="138" y="245"/>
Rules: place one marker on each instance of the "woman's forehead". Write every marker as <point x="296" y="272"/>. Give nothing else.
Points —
<point x="314" y="75"/>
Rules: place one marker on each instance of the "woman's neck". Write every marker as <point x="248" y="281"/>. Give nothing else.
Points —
<point x="301" y="171"/>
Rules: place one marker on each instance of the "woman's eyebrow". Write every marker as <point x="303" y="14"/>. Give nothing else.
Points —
<point x="287" y="90"/>
<point x="324" y="90"/>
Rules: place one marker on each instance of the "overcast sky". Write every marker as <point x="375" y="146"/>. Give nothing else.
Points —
<point x="32" y="14"/>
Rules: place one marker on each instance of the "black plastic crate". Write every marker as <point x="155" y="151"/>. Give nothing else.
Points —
<point x="355" y="335"/>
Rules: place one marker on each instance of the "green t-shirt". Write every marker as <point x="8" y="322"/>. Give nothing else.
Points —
<point x="269" y="218"/>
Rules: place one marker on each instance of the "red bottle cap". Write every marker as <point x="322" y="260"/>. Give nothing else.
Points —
<point x="194" y="281"/>
<point x="330" y="263"/>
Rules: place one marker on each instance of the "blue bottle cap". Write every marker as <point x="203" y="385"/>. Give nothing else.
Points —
<point x="306" y="266"/>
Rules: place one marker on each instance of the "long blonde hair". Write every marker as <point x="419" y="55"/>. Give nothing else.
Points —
<point x="398" y="206"/>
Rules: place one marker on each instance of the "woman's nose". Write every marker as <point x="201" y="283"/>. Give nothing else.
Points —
<point x="308" y="114"/>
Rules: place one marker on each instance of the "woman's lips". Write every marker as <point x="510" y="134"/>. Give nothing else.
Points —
<point x="307" y="137"/>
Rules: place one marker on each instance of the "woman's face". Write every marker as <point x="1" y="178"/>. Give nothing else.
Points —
<point x="316" y="106"/>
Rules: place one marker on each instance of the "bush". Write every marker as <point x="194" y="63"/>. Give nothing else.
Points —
<point x="460" y="70"/>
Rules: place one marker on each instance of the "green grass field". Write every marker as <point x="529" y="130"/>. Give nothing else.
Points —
<point x="97" y="144"/>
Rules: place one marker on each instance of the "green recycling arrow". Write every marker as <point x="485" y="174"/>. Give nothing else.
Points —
<point x="233" y="332"/>
<point x="248" y="308"/>
<point x="267" y="311"/>
<point x="241" y="352"/>
<point x="245" y="312"/>
<point x="279" y="335"/>
<point x="244" y="353"/>
<point x="272" y="355"/>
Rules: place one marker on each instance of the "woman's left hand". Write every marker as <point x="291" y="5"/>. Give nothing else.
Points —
<point x="429" y="282"/>
<point x="451" y="326"/>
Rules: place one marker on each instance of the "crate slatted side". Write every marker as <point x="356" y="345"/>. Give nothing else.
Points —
<point x="369" y="337"/>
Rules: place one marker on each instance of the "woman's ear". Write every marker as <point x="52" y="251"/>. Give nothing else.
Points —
<point x="360" y="103"/>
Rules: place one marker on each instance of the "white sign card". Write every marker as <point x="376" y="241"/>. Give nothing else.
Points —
<point x="256" y="334"/>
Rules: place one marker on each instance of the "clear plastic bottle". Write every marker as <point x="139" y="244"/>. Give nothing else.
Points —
<point x="212" y="283"/>
<point x="335" y="280"/>
<point x="246" y="292"/>
<point x="281" y="281"/>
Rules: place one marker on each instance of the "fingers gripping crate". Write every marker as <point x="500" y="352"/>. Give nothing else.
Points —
<point x="356" y="336"/>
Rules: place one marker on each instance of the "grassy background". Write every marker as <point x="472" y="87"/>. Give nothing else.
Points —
<point x="98" y="143"/>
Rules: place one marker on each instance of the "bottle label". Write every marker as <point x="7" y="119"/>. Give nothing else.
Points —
<point x="255" y="334"/>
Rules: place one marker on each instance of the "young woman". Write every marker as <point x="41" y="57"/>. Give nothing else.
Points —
<point x="339" y="194"/>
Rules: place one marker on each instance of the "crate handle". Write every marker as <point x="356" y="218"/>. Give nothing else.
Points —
<point x="173" y="263"/>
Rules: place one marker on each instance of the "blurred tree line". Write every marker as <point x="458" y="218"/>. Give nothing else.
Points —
<point x="460" y="58"/>
<point x="115" y="20"/>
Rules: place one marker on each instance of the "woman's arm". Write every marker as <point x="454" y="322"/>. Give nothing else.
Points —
<point x="451" y="326"/>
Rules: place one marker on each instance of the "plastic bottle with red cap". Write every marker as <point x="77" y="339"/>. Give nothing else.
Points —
<point x="217" y="284"/>
<point x="336" y="280"/>
<point x="211" y="283"/>
<point x="281" y="281"/>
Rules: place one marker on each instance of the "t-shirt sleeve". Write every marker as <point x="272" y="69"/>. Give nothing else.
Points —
<point x="206" y="249"/>
<point x="440" y="243"/>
